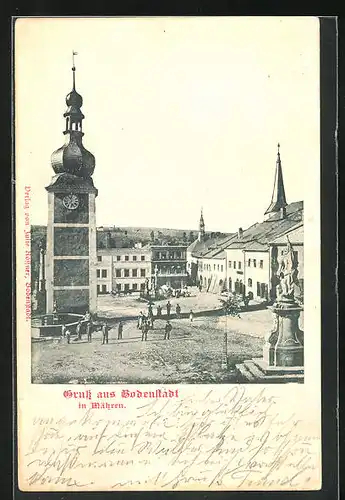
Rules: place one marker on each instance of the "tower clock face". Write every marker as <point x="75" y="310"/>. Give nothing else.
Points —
<point x="71" y="201"/>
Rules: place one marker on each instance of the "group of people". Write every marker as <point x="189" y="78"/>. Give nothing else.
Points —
<point x="181" y="292"/>
<point x="89" y="329"/>
<point x="149" y="318"/>
<point x="145" y="323"/>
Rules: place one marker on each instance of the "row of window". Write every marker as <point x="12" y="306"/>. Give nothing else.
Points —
<point x="125" y="287"/>
<point x="126" y="257"/>
<point x="250" y="262"/>
<point x="261" y="263"/>
<point x="208" y="267"/>
<point x="169" y="256"/>
<point x="232" y="264"/>
<point x="122" y="273"/>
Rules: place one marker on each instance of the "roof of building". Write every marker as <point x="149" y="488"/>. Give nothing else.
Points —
<point x="123" y="250"/>
<point x="258" y="236"/>
<point x="211" y="247"/>
<point x="199" y="246"/>
<point x="295" y="233"/>
<point x="217" y="253"/>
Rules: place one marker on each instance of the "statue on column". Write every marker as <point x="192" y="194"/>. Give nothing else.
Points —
<point x="289" y="343"/>
<point x="287" y="274"/>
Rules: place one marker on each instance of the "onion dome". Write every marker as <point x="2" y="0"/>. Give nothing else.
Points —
<point x="72" y="158"/>
<point x="73" y="99"/>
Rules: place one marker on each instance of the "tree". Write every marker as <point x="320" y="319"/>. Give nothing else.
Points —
<point x="152" y="236"/>
<point x="184" y="236"/>
<point x="191" y="236"/>
<point x="231" y="305"/>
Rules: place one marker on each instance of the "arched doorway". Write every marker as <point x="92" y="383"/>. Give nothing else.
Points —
<point x="230" y="285"/>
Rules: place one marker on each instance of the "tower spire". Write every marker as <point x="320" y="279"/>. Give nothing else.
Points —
<point x="278" y="201"/>
<point x="73" y="158"/>
<point x="201" y="226"/>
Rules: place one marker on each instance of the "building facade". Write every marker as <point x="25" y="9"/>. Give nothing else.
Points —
<point x="257" y="273"/>
<point x="169" y="265"/>
<point x="212" y="271"/>
<point x="123" y="270"/>
<point x="235" y="269"/>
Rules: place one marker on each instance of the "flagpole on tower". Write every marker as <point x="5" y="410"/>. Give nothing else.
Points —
<point x="74" y="53"/>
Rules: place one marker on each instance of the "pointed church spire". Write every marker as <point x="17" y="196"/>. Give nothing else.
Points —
<point x="201" y="226"/>
<point x="278" y="201"/>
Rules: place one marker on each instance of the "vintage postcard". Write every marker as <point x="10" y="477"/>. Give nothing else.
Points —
<point x="168" y="253"/>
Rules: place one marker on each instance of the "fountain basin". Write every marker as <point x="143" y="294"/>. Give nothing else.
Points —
<point x="49" y="325"/>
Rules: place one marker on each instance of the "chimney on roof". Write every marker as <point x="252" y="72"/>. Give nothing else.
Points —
<point x="108" y="240"/>
<point x="240" y="233"/>
<point x="283" y="213"/>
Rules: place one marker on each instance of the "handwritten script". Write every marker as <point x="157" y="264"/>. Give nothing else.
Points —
<point x="236" y="441"/>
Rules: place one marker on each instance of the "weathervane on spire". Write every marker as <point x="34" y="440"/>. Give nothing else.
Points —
<point x="73" y="54"/>
<point x="73" y="66"/>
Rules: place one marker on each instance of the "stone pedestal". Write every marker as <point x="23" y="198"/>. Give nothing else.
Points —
<point x="289" y="349"/>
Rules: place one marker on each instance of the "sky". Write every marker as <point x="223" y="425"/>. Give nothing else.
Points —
<point x="180" y="113"/>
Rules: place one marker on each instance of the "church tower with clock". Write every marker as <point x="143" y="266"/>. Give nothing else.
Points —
<point x="71" y="229"/>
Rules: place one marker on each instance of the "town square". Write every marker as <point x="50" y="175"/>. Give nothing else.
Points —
<point x="192" y="355"/>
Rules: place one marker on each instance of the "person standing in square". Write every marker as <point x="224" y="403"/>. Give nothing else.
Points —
<point x="89" y="331"/>
<point x="167" y="331"/>
<point x="78" y="330"/>
<point x="145" y="328"/>
<point x="119" y="331"/>
<point x="191" y="316"/>
<point x="105" y="333"/>
<point x="140" y="320"/>
<point x="63" y="330"/>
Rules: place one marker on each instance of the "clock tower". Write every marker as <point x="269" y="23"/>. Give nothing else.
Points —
<point x="71" y="230"/>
